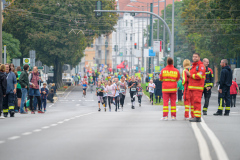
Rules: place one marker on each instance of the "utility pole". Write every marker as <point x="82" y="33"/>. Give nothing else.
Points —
<point x="164" y="38"/>
<point x="116" y="48"/>
<point x="1" y="32"/>
<point x="172" y="43"/>
<point x="142" y="42"/>
<point x="158" y="35"/>
<point x="138" y="43"/>
<point x="150" y="36"/>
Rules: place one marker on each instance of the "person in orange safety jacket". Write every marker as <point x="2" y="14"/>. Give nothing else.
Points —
<point x="196" y="86"/>
<point x="169" y="75"/>
<point x="186" y="96"/>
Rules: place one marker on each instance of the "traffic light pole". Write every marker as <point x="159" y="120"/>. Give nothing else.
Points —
<point x="151" y="13"/>
<point x="150" y="37"/>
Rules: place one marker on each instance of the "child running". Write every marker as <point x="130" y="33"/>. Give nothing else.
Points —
<point x="139" y="94"/>
<point x="99" y="94"/>
<point x="122" y="93"/>
<point x="151" y="87"/>
<point x="110" y="91"/>
<point x="84" y="85"/>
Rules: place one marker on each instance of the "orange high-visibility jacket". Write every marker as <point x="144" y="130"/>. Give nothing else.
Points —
<point x="197" y="76"/>
<point x="169" y="75"/>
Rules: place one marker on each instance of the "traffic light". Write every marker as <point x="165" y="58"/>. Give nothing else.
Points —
<point x="98" y="7"/>
<point x="135" y="45"/>
<point x="168" y="47"/>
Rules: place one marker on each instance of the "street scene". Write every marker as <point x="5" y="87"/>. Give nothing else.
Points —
<point x="120" y="79"/>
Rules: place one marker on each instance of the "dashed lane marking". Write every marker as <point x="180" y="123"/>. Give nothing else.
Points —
<point x="89" y="100"/>
<point x="60" y="122"/>
<point x="52" y="125"/>
<point x="45" y="127"/>
<point x="37" y="130"/>
<point x="14" y="137"/>
<point x="26" y="133"/>
<point x="63" y="100"/>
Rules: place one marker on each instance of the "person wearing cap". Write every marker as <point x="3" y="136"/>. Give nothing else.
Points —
<point x="44" y="94"/>
<point x="186" y="96"/>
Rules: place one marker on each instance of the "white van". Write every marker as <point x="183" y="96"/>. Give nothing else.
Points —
<point x="236" y="75"/>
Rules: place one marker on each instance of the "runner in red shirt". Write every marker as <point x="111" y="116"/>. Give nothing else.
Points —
<point x="234" y="90"/>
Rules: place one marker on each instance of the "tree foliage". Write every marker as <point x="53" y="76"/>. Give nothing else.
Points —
<point x="59" y="31"/>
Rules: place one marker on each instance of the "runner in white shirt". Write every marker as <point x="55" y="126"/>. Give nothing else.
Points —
<point x="151" y="87"/>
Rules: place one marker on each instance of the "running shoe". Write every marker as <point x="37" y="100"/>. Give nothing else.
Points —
<point x="45" y="110"/>
<point x="105" y="109"/>
<point x="1" y="117"/>
<point x="164" y="118"/>
<point x="40" y="111"/>
<point x="186" y="118"/>
<point x="139" y="104"/>
<point x="32" y="112"/>
<point x="23" y="112"/>
<point x="109" y="110"/>
<point x="152" y="102"/>
<point x="174" y="118"/>
<point x="99" y="109"/>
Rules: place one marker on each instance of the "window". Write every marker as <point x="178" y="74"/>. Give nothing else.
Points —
<point x="130" y="37"/>
<point x="131" y="23"/>
<point x="126" y="37"/>
<point x="126" y="23"/>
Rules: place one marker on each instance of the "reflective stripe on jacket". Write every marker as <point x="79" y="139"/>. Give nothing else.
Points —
<point x="169" y="76"/>
<point x="209" y="78"/>
<point x="197" y="76"/>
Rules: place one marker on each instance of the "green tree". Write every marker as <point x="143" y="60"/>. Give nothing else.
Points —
<point x="12" y="44"/>
<point x="59" y="32"/>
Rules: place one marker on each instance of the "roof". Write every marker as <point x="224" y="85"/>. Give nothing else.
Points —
<point x="142" y="5"/>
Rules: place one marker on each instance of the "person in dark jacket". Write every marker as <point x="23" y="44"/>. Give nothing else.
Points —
<point x="9" y="99"/>
<point x="158" y="89"/>
<point x="50" y="96"/>
<point x="147" y="81"/>
<point x="3" y="87"/>
<point x="24" y="82"/>
<point x="224" y="88"/>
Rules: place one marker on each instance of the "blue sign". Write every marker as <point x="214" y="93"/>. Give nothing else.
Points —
<point x="232" y="61"/>
<point x="102" y="65"/>
<point x="151" y="53"/>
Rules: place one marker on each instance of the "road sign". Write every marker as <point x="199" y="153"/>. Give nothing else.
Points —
<point x="157" y="68"/>
<point x="142" y="69"/>
<point x="26" y="61"/>
<point x="151" y="53"/>
<point x="157" y="46"/>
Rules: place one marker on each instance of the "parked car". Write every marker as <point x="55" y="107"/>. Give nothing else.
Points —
<point x="236" y="76"/>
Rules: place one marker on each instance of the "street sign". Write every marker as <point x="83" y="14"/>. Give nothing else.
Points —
<point x="26" y="61"/>
<point x="151" y="53"/>
<point x="137" y="53"/>
<point x="121" y="54"/>
<point x="142" y="69"/>
<point x="157" y="46"/>
<point x="232" y="61"/>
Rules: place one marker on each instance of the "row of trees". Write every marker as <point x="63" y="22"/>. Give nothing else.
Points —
<point x="209" y="27"/>
<point x="59" y="31"/>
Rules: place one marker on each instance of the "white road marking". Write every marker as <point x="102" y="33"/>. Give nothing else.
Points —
<point x="72" y="118"/>
<point x="220" y="152"/>
<point x="73" y="100"/>
<point x="202" y="144"/>
<point x="67" y="120"/>
<point x="68" y="93"/>
<point x="89" y="100"/>
<point x="1" y="142"/>
<point x="14" y="137"/>
<point x="80" y="100"/>
<point x="63" y="100"/>
<point x="45" y="127"/>
<point x="60" y="122"/>
<point x="37" y="130"/>
<point x="26" y="133"/>
<point x="51" y="105"/>
<point x="52" y="125"/>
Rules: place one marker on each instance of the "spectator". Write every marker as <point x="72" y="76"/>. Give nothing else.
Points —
<point x="3" y="87"/>
<point x="8" y="100"/>
<point x="54" y="89"/>
<point x="76" y="80"/>
<point x="158" y="89"/>
<point x="16" y="108"/>
<point x="234" y="90"/>
<point x="147" y="81"/>
<point x="19" y="92"/>
<point x="50" y="96"/>
<point x="180" y="89"/>
<point x="34" y="81"/>
<point x="44" y="93"/>
<point x="119" y="76"/>
<point x="24" y="83"/>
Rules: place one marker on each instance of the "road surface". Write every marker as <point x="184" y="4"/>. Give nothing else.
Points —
<point x="73" y="129"/>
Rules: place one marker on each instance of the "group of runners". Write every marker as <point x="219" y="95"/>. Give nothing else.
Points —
<point x="112" y="92"/>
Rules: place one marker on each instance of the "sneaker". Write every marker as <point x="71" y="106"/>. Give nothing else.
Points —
<point x="1" y="117"/>
<point x="99" y="109"/>
<point x="152" y="102"/>
<point x="139" y="104"/>
<point x="32" y="112"/>
<point x="23" y="112"/>
<point x="174" y="118"/>
<point x="40" y="111"/>
<point x="109" y="110"/>
<point x="105" y="109"/>
<point x="133" y="107"/>
<point x="186" y="118"/>
<point x="16" y="111"/>
<point x="205" y="113"/>
<point x="164" y="118"/>
<point x="45" y="110"/>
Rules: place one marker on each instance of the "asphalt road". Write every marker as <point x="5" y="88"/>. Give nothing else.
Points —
<point x="73" y="129"/>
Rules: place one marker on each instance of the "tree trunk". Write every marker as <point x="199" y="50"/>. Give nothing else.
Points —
<point x="58" y="73"/>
